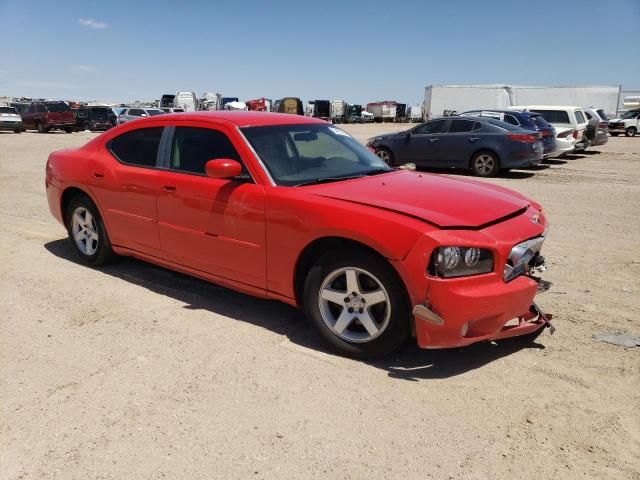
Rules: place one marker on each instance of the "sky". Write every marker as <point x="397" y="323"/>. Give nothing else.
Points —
<point x="359" y="51"/>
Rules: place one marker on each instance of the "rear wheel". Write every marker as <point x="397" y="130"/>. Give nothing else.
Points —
<point x="41" y="128"/>
<point x="385" y="155"/>
<point x="17" y="130"/>
<point x="68" y="129"/>
<point x="614" y="134"/>
<point x="87" y="233"/>
<point x="485" y="164"/>
<point x="87" y="126"/>
<point x="357" y="303"/>
<point x="631" y="132"/>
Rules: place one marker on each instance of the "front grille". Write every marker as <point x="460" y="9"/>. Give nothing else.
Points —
<point x="522" y="258"/>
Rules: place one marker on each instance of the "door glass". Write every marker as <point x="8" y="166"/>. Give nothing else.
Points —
<point x="461" y="126"/>
<point x="137" y="147"/>
<point x="511" y="119"/>
<point x="579" y="117"/>
<point x="192" y="148"/>
<point x="429" y="127"/>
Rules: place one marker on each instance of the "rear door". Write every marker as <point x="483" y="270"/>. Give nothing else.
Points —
<point x="461" y="140"/>
<point x="126" y="180"/>
<point x="423" y="144"/>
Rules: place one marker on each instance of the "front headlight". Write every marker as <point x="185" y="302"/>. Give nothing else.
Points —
<point x="452" y="262"/>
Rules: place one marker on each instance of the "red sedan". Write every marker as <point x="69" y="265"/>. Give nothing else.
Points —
<point x="293" y="209"/>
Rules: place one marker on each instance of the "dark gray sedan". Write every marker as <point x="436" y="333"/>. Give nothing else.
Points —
<point x="483" y="145"/>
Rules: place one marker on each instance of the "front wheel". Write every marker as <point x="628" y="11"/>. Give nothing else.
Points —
<point x="68" y="129"/>
<point x="631" y="132"/>
<point x="485" y="164"/>
<point x="87" y="232"/>
<point x="614" y="134"/>
<point x="385" y="155"/>
<point x="358" y="303"/>
<point x="41" y="128"/>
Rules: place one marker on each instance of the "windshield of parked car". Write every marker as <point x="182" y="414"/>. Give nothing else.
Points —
<point x="630" y="114"/>
<point x="603" y="115"/>
<point x="8" y="110"/>
<point x="554" y="116"/>
<point x="153" y="112"/>
<point x="539" y="121"/>
<point x="58" y="107"/>
<point x="304" y="154"/>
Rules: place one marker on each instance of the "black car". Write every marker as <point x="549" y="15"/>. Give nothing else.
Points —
<point x="95" y="118"/>
<point x="483" y="145"/>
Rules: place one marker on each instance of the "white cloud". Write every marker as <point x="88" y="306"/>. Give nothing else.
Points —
<point x="87" y="22"/>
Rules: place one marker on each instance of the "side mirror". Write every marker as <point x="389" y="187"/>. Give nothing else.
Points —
<point x="223" y="168"/>
<point x="143" y="114"/>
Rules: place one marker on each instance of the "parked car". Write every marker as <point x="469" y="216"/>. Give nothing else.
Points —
<point x="95" y="118"/>
<point x="628" y="123"/>
<point x="565" y="142"/>
<point x="10" y="119"/>
<point x="135" y="113"/>
<point x="597" y="128"/>
<point x="527" y="120"/>
<point x="292" y="208"/>
<point x="563" y="117"/>
<point x="483" y="145"/>
<point x="47" y="116"/>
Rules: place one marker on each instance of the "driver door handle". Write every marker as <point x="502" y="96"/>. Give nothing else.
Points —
<point x="474" y="139"/>
<point x="433" y="140"/>
<point x="169" y="188"/>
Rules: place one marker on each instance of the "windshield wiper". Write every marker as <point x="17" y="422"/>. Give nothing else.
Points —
<point x="317" y="181"/>
<point x="377" y="171"/>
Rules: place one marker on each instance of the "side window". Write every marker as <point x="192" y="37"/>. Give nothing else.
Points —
<point x="461" y="126"/>
<point x="429" y="127"/>
<point x="135" y="111"/>
<point x="477" y="126"/>
<point x="137" y="147"/>
<point x="579" y="117"/>
<point x="193" y="147"/>
<point x="511" y="119"/>
<point x="82" y="114"/>
<point x="588" y="116"/>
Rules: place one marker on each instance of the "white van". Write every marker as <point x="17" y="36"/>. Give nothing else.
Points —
<point x="563" y="118"/>
<point x="187" y="101"/>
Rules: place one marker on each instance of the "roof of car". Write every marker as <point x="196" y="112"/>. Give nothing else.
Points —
<point x="244" y="118"/>
<point x="499" y="110"/>
<point x="547" y="107"/>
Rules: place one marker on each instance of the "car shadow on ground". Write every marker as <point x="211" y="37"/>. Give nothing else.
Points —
<point x="516" y="174"/>
<point x="409" y="363"/>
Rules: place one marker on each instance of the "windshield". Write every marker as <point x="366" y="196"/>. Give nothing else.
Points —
<point x="154" y="112"/>
<point x="8" y="110"/>
<point x="57" y="107"/>
<point x="539" y="121"/>
<point x="630" y="114"/>
<point x="300" y="154"/>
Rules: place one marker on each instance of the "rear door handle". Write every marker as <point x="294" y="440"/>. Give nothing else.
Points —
<point x="97" y="174"/>
<point x="433" y="140"/>
<point x="474" y="139"/>
<point x="169" y="188"/>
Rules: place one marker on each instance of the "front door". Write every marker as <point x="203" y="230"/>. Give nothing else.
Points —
<point x="460" y="142"/>
<point x="423" y="145"/>
<point x="213" y="225"/>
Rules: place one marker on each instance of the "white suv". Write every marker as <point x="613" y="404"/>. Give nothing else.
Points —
<point x="628" y="123"/>
<point x="563" y="118"/>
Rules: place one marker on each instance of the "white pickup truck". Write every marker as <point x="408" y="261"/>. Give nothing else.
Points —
<point x="628" y="123"/>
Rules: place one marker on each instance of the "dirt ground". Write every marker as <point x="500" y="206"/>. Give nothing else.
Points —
<point x="135" y="372"/>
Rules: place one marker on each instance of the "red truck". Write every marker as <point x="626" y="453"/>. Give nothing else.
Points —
<point x="45" y="116"/>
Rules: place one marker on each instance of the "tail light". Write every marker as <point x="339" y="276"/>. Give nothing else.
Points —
<point x="603" y="125"/>
<point x="575" y="134"/>
<point x="566" y="134"/>
<point x="546" y="133"/>
<point x="522" y="137"/>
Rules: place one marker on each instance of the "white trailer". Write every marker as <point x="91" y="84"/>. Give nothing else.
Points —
<point x="443" y="100"/>
<point x="186" y="101"/>
<point x="338" y="111"/>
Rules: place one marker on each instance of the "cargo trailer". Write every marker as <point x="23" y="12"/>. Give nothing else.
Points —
<point x="338" y="111"/>
<point x="290" y="105"/>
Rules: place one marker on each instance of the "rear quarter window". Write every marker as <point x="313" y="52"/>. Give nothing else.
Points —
<point x="137" y="147"/>
<point x="555" y="116"/>
<point x="579" y="117"/>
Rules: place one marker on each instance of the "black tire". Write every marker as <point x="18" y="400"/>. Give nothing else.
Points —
<point x="631" y="132"/>
<point x="68" y="129"/>
<point x="485" y="164"/>
<point x="391" y="334"/>
<point x="103" y="253"/>
<point x="385" y="155"/>
<point x="614" y="134"/>
<point x="17" y="130"/>
<point x="87" y="126"/>
<point x="40" y="127"/>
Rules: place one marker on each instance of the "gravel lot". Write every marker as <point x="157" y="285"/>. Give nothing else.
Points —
<point x="135" y="372"/>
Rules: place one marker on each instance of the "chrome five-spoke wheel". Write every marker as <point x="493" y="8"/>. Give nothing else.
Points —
<point x="354" y="304"/>
<point x="85" y="231"/>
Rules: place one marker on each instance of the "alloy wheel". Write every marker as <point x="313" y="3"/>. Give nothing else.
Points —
<point x="84" y="231"/>
<point x="384" y="156"/>
<point x="484" y="164"/>
<point x="354" y="304"/>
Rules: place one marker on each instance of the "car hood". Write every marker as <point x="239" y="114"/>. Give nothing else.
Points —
<point x="615" y="120"/>
<point x="439" y="200"/>
<point x="401" y="133"/>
